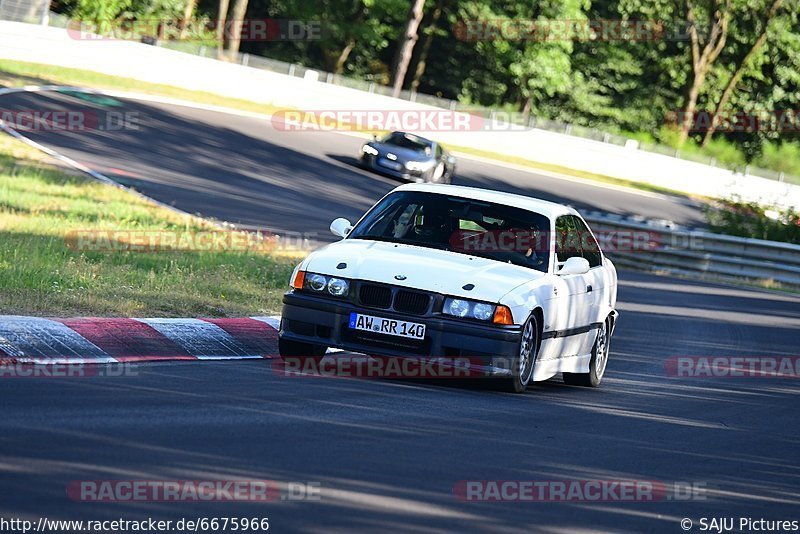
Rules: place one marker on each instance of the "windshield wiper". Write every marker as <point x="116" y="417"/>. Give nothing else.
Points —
<point x="385" y="239"/>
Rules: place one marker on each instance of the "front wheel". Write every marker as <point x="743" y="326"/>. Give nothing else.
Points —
<point x="525" y="360"/>
<point x="448" y="176"/>
<point x="597" y="365"/>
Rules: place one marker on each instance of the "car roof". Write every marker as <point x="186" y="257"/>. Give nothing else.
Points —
<point x="549" y="209"/>
<point x="413" y="135"/>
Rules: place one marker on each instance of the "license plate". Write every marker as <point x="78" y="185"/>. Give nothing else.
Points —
<point x="390" y="164"/>
<point x="390" y="327"/>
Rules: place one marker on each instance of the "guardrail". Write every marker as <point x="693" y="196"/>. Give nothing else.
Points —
<point x="694" y="252"/>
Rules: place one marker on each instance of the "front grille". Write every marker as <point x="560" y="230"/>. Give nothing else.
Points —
<point x="375" y="296"/>
<point x="411" y="302"/>
<point x="394" y="298"/>
<point x="413" y="346"/>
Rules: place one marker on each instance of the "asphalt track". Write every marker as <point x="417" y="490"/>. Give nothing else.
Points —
<point x="388" y="453"/>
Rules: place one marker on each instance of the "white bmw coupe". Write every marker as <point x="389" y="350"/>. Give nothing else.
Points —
<point x="516" y="286"/>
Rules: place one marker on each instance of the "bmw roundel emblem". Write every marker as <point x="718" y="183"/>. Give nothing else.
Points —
<point x="399" y="277"/>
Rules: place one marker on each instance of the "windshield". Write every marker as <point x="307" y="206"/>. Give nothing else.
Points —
<point x="462" y="225"/>
<point x="404" y="140"/>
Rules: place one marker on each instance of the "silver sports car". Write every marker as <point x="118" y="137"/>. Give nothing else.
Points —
<point x="409" y="157"/>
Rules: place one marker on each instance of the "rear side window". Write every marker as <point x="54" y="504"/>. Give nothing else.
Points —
<point x="589" y="246"/>
<point x="568" y="242"/>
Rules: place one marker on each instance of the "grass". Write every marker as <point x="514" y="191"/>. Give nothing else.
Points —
<point x="41" y="206"/>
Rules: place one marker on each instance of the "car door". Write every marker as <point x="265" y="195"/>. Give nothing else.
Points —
<point x="596" y="280"/>
<point x="572" y="313"/>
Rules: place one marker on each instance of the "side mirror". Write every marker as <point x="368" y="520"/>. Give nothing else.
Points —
<point x="374" y="137"/>
<point x="341" y="227"/>
<point x="574" y="265"/>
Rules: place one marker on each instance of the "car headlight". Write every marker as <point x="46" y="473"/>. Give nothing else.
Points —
<point x="366" y="149"/>
<point x="416" y="166"/>
<point x="317" y="282"/>
<point x="457" y="307"/>
<point x="320" y="283"/>
<point x="338" y="287"/>
<point x="481" y="311"/>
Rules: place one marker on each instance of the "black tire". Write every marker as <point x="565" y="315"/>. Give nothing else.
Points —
<point x="447" y="177"/>
<point x="298" y="351"/>
<point x="598" y="363"/>
<point x="521" y="374"/>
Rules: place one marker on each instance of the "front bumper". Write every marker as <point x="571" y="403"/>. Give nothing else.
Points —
<point x="488" y="349"/>
<point x="371" y="162"/>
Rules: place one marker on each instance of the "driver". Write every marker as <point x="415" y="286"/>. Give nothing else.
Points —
<point x="435" y="226"/>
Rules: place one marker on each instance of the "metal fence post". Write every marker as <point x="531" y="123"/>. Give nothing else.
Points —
<point x="45" y="20"/>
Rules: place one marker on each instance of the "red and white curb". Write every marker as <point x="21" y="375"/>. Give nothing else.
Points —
<point x="111" y="340"/>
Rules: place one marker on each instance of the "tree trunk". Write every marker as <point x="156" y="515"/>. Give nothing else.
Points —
<point x="737" y="76"/>
<point x="239" y="11"/>
<point x="188" y="11"/>
<point x="526" y="110"/>
<point x="690" y="106"/>
<point x="335" y="62"/>
<point x="702" y="60"/>
<point x="343" y="55"/>
<point x="406" y="45"/>
<point x="222" y="19"/>
<point x="422" y="60"/>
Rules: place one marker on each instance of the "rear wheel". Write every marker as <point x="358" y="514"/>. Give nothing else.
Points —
<point x="525" y="360"/>
<point x="298" y="352"/>
<point x="597" y="365"/>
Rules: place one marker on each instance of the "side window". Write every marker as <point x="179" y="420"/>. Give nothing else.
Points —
<point x="568" y="243"/>
<point x="438" y="152"/>
<point x="589" y="246"/>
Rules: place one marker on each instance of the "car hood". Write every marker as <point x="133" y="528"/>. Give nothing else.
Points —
<point x="403" y="154"/>
<point x="427" y="269"/>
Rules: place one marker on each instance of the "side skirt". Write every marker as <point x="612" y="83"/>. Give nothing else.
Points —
<point x="546" y="369"/>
